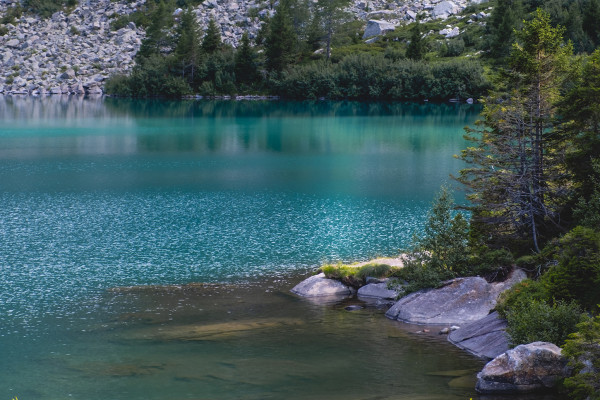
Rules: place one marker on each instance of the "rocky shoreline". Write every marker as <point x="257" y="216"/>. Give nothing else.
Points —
<point x="463" y="309"/>
<point x="75" y="52"/>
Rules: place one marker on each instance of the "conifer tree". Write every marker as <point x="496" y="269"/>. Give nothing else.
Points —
<point x="506" y="16"/>
<point x="416" y="48"/>
<point x="281" y="42"/>
<point x="516" y="177"/>
<point x="188" y="50"/>
<point x="245" y="62"/>
<point x="331" y="13"/>
<point x="212" y="37"/>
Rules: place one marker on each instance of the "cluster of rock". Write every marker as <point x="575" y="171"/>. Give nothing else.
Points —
<point x="74" y="53"/>
<point x="71" y="53"/>
<point x="464" y="305"/>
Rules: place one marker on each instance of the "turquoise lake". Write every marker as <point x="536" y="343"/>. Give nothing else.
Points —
<point x="147" y="248"/>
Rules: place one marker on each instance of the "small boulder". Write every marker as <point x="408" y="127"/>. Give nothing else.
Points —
<point x="319" y="285"/>
<point x="376" y="28"/>
<point x="444" y="9"/>
<point x="377" y="290"/>
<point x="529" y="367"/>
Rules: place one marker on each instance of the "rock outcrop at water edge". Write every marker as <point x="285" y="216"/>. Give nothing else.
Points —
<point x="320" y="286"/>
<point x="526" y="368"/>
<point x="459" y="301"/>
<point x="484" y="338"/>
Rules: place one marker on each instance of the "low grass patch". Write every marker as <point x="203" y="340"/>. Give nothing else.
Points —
<point x="355" y="275"/>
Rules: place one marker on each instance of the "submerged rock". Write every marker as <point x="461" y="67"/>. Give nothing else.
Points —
<point x="529" y="367"/>
<point x="319" y="285"/>
<point x="378" y="291"/>
<point x="484" y="338"/>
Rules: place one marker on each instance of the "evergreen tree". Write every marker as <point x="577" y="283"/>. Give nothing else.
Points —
<point x="591" y="21"/>
<point x="416" y="48"/>
<point x="331" y="13"/>
<point x="580" y="113"/>
<point x="157" y="39"/>
<point x="281" y="42"/>
<point x="505" y="18"/>
<point x="516" y="178"/>
<point x="212" y="37"/>
<point x="188" y="50"/>
<point x="315" y="32"/>
<point x="245" y="62"/>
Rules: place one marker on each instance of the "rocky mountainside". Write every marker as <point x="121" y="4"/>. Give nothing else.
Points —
<point x="76" y="52"/>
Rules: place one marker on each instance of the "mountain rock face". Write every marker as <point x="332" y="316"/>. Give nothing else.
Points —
<point x="75" y="52"/>
<point x="71" y="53"/>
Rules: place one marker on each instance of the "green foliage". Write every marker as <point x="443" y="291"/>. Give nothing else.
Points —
<point x="44" y="8"/>
<point x="246" y="62"/>
<point x="542" y="321"/>
<point x="576" y="277"/>
<point x="281" y="42"/>
<point x="583" y="350"/>
<point x="11" y="15"/>
<point x="417" y="48"/>
<point x="3" y="30"/>
<point x="442" y="251"/>
<point x="212" y="37"/>
<point x="520" y="295"/>
<point x="580" y="122"/>
<point x="516" y="177"/>
<point x="492" y="264"/>
<point x="148" y="79"/>
<point x="366" y="76"/>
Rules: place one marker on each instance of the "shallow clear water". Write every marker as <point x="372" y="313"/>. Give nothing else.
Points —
<point x="103" y="194"/>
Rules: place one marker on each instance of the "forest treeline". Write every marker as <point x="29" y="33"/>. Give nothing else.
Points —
<point x="315" y="49"/>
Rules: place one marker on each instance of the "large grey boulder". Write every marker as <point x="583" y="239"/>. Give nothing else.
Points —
<point x="377" y="27"/>
<point x="526" y="368"/>
<point x="319" y="286"/>
<point x="377" y="291"/>
<point x="459" y="301"/>
<point x="444" y="9"/>
<point x="484" y="338"/>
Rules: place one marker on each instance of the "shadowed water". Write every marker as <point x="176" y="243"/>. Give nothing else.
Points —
<point x="97" y="195"/>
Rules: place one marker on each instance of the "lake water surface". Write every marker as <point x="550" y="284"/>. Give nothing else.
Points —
<point x="113" y="211"/>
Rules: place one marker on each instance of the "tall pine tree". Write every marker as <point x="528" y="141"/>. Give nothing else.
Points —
<point x="517" y="164"/>
<point x="281" y="42"/>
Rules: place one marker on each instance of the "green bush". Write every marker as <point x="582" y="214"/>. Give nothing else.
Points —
<point x="493" y="265"/>
<point x="12" y="15"/>
<point x="442" y="251"/>
<point x="3" y="30"/>
<point x="577" y="275"/>
<point x="542" y="321"/>
<point x="583" y="350"/>
<point x="520" y="295"/>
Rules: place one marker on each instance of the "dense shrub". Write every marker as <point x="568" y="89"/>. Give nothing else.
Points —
<point x="520" y="295"/>
<point x="577" y="274"/>
<point x="542" y="321"/>
<point x="363" y="76"/>
<point x="583" y="350"/>
<point x="148" y="79"/>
